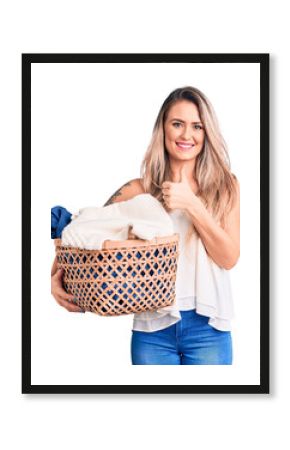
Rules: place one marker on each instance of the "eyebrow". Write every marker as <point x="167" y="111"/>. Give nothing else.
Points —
<point x="179" y="120"/>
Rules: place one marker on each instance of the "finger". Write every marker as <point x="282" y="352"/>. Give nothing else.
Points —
<point x="59" y="274"/>
<point x="166" y="184"/>
<point x="74" y="308"/>
<point x="58" y="277"/>
<point x="71" y="307"/>
<point x="71" y="302"/>
<point x="57" y="287"/>
<point x="166" y="194"/>
<point x="63" y="294"/>
<point x="166" y="201"/>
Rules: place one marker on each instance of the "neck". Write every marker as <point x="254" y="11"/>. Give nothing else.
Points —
<point x="175" y="167"/>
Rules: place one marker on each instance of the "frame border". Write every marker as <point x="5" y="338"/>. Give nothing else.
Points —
<point x="263" y="60"/>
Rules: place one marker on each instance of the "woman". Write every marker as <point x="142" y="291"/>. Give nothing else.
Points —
<point x="186" y="167"/>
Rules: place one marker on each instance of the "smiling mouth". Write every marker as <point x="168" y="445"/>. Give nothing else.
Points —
<point x="184" y="146"/>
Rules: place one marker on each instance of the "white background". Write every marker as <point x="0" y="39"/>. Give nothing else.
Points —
<point x="91" y="125"/>
<point x="74" y="421"/>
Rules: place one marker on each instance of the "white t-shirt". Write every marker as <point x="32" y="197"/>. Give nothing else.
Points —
<point x="200" y="284"/>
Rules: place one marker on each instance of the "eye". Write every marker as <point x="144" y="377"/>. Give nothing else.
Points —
<point x="198" y="127"/>
<point x="176" y="124"/>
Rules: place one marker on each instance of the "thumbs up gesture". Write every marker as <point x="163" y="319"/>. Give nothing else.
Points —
<point x="178" y="195"/>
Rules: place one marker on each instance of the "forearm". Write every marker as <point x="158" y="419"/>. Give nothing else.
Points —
<point x="219" y="245"/>
<point x="54" y="267"/>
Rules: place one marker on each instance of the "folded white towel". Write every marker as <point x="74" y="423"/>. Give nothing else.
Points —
<point x="143" y="215"/>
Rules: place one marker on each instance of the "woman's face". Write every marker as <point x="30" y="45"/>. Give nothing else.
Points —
<point x="183" y="131"/>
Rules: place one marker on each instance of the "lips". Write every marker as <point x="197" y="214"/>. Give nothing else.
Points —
<point x="184" y="145"/>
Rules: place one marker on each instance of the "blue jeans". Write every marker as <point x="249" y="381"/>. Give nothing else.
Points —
<point x="190" y="341"/>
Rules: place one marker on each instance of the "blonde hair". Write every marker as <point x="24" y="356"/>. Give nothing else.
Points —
<point x="216" y="183"/>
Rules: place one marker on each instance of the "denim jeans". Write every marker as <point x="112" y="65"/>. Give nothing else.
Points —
<point x="190" y="341"/>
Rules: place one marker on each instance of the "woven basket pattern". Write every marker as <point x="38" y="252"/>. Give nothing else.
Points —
<point x="135" y="276"/>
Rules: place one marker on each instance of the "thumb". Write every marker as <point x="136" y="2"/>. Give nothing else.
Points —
<point x="59" y="273"/>
<point x="182" y="175"/>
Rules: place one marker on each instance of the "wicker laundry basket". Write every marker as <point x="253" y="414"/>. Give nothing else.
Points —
<point x="124" y="277"/>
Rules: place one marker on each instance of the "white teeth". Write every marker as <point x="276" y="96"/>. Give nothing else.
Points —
<point x="184" y="146"/>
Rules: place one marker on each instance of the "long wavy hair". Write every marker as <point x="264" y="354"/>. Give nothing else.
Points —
<point x="216" y="183"/>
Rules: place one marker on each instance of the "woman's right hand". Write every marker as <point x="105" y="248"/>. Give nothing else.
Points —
<point x="61" y="296"/>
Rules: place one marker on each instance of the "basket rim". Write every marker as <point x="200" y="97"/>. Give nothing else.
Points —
<point x="128" y="243"/>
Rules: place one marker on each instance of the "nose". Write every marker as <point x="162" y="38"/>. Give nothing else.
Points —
<point x="187" y="133"/>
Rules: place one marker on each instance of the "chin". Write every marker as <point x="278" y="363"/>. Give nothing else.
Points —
<point x="185" y="156"/>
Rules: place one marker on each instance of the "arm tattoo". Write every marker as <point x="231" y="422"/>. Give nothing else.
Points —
<point x="116" y="194"/>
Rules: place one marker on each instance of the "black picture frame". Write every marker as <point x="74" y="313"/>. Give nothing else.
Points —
<point x="123" y="58"/>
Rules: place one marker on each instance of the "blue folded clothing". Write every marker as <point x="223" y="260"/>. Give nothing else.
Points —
<point x="60" y="218"/>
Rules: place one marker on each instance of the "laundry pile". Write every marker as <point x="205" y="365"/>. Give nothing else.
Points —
<point x="142" y="216"/>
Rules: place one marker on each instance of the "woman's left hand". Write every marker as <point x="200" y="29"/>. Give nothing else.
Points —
<point x="178" y="195"/>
